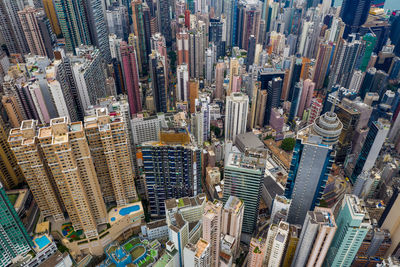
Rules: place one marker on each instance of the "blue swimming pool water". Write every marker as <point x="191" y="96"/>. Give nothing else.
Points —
<point x="113" y="219"/>
<point x="42" y="241"/>
<point x="128" y="210"/>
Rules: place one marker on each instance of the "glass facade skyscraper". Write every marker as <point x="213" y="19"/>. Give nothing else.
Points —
<point x="243" y="176"/>
<point x="172" y="170"/>
<point x="352" y="226"/>
<point x="371" y="148"/>
<point x="311" y="163"/>
<point x="14" y="238"/>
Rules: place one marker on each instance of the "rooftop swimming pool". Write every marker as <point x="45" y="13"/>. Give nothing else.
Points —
<point x="42" y="241"/>
<point x="128" y="210"/>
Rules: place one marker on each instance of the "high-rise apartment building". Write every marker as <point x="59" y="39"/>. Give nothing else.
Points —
<point x="311" y="163"/>
<point x="139" y="31"/>
<point x="14" y="238"/>
<point x="109" y="147"/>
<point x="98" y="29"/>
<point x="182" y="87"/>
<point x="276" y="243"/>
<point x="257" y="251"/>
<point x="182" y="43"/>
<point x="212" y="222"/>
<point x="10" y="173"/>
<point x="243" y="176"/>
<point x="322" y="64"/>
<point x="232" y="220"/>
<point x="316" y="236"/>
<point x="145" y="129"/>
<point x="352" y="226"/>
<point x="274" y="90"/>
<point x="180" y="177"/>
<point x="131" y="75"/>
<point x="237" y="105"/>
<point x="349" y="116"/>
<point x="372" y="146"/>
<point x="345" y="62"/>
<point x="159" y="81"/>
<point x="60" y="172"/>
<point x="180" y="213"/>
<point x="117" y="20"/>
<point x="48" y="6"/>
<point x="198" y="254"/>
<point x="37" y="30"/>
<point x="219" y="80"/>
<point x="11" y="28"/>
<point x="164" y="21"/>
<point x="73" y="23"/>
<point x="88" y="73"/>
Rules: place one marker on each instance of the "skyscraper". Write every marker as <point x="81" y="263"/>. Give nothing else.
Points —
<point x="316" y="236"/>
<point x="322" y="64"/>
<point x="131" y="75"/>
<point x="182" y="46"/>
<point x="371" y="148"/>
<point x="352" y="226"/>
<point x="180" y="178"/>
<point x="354" y="13"/>
<point x="232" y="220"/>
<point x="237" y="105"/>
<point x="349" y="116"/>
<point x="164" y="21"/>
<point x="98" y="29"/>
<point x="13" y="235"/>
<point x="311" y="163"/>
<point x="212" y="221"/>
<point x="60" y="172"/>
<point x="73" y="23"/>
<point x="276" y="243"/>
<point x="48" y="6"/>
<point x="11" y="28"/>
<point x="38" y="32"/>
<point x="88" y="72"/>
<point x="243" y="176"/>
<point x="109" y="148"/>
<point x="10" y="173"/>
<point x="139" y="32"/>
<point x="182" y="87"/>
<point x="158" y="81"/>
<point x="274" y="90"/>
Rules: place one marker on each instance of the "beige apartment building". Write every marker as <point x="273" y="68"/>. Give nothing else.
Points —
<point x="109" y="147"/>
<point x="59" y="169"/>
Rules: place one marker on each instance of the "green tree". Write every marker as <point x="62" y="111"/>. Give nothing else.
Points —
<point x="288" y="144"/>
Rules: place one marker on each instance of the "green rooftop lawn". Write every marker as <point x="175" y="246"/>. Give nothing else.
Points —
<point x="137" y="252"/>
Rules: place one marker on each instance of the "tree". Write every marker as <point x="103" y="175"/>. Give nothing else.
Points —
<point x="288" y="144"/>
<point x="216" y="130"/>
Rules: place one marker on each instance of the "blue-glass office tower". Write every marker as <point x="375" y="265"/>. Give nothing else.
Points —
<point x="295" y="78"/>
<point x="172" y="171"/>
<point x="372" y="146"/>
<point x="274" y="90"/>
<point x="295" y="101"/>
<point x="311" y="163"/>
<point x="354" y="13"/>
<point x="14" y="238"/>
